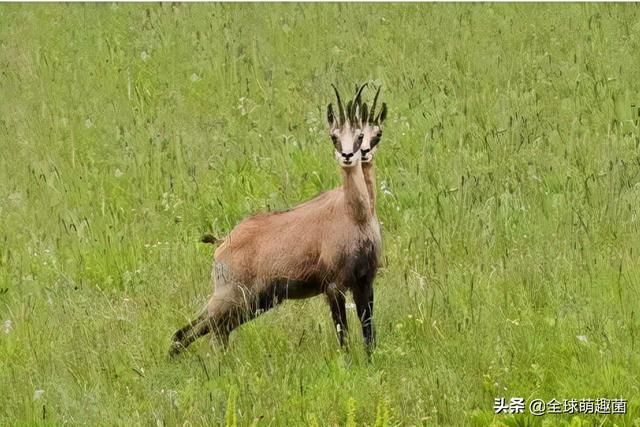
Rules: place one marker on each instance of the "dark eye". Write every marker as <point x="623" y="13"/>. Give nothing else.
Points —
<point x="361" y="136"/>
<point x="335" y="140"/>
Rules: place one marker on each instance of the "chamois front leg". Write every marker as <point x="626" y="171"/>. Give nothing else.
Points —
<point x="336" y="299"/>
<point x="363" y="297"/>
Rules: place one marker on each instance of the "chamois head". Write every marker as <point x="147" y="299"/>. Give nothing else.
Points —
<point x="371" y="128"/>
<point x="345" y="130"/>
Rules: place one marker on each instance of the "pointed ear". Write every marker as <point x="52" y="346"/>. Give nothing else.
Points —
<point x="372" y="113"/>
<point x="331" y="117"/>
<point x="383" y="113"/>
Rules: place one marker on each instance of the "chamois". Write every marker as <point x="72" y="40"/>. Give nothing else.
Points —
<point x="327" y="245"/>
<point x="372" y="130"/>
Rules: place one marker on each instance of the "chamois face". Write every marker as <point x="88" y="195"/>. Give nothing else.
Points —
<point x="371" y="129"/>
<point x="347" y="142"/>
<point x="345" y="130"/>
<point x="372" y="135"/>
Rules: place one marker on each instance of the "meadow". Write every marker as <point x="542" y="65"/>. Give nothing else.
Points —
<point x="509" y="194"/>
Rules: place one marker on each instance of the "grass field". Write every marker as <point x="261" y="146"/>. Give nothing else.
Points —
<point x="509" y="192"/>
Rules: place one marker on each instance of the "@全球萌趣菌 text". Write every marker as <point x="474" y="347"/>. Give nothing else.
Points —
<point x="519" y="405"/>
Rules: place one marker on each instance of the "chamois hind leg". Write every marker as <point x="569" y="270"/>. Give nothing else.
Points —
<point x="336" y="299"/>
<point x="244" y="307"/>
<point x="229" y="315"/>
<point x="211" y="319"/>
<point x="229" y="307"/>
<point x="183" y="337"/>
<point x="181" y="333"/>
<point x="363" y="297"/>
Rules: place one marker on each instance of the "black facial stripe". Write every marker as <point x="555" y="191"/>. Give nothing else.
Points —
<point x="336" y="142"/>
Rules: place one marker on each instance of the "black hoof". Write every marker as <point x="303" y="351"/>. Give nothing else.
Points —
<point x="175" y="349"/>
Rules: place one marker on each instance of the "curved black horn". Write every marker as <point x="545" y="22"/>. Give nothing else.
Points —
<point x="357" y="105"/>
<point x="365" y="113"/>
<point x="382" y="115"/>
<point x="359" y="92"/>
<point x="340" y="107"/>
<point x="373" y="107"/>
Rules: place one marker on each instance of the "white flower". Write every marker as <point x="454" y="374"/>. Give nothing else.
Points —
<point x="384" y="187"/>
<point x="173" y="397"/>
<point x="144" y="55"/>
<point x="38" y="394"/>
<point x="7" y="326"/>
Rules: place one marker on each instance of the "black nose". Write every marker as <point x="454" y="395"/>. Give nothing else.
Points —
<point x="347" y="155"/>
<point x="364" y="152"/>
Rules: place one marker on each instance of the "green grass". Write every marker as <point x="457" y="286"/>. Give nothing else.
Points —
<point x="511" y="174"/>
